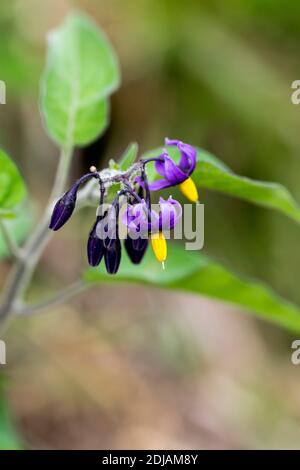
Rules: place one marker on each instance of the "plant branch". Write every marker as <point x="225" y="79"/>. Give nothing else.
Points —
<point x="62" y="296"/>
<point x="12" y="246"/>
<point x="22" y="271"/>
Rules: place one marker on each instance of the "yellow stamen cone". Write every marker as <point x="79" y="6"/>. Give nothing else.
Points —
<point x="188" y="188"/>
<point x="159" y="246"/>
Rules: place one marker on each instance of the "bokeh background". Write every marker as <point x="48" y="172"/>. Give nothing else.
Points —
<point x="127" y="367"/>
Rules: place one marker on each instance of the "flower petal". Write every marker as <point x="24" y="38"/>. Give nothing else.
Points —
<point x="170" y="213"/>
<point x="160" y="167"/>
<point x="188" y="155"/>
<point x="160" y="184"/>
<point x="173" y="173"/>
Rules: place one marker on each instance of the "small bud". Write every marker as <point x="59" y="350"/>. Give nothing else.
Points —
<point x="95" y="248"/>
<point x="93" y="169"/>
<point x="112" y="257"/>
<point x="65" y="206"/>
<point x="136" y="249"/>
<point x="63" y="209"/>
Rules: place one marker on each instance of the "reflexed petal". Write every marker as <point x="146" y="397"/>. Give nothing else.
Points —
<point x="171" y="141"/>
<point x="188" y="155"/>
<point x="160" y="167"/>
<point x="170" y="213"/>
<point x="136" y="219"/>
<point x="160" y="184"/>
<point x="173" y="173"/>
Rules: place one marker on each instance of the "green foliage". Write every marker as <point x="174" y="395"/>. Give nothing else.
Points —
<point x="81" y="73"/>
<point x="211" y="173"/>
<point x="129" y="156"/>
<point x="197" y="274"/>
<point x="9" y="439"/>
<point x="12" y="188"/>
<point x="18" y="227"/>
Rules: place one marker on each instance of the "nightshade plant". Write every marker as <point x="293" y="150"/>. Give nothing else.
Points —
<point x="82" y="72"/>
<point x="140" y="219"/>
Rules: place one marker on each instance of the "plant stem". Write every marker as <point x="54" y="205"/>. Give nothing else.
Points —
<point x="23" y="269"/>
<point x="62" y="296"/>
<point x="12" y="246"/>
<point x="21" y="273"/>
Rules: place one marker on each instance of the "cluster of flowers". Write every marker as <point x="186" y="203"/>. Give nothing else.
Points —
<point x="143" y="223"/>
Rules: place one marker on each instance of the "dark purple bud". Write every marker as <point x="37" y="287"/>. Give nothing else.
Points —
<point x="65" y="206"/>
<point x="136" y="249"/>
<point x="111" y="225"/>
<point x="63" y="209"/>
<point x="95" y="248"/>
<point x="112" y="256"/>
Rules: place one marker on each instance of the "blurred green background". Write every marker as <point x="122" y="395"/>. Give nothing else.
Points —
<point x="128" y="367"/>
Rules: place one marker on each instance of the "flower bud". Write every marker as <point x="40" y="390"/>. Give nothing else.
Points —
<point x="95" y="248"/>
<point x="63" y="209"/>
<point x="112" y="256"/>
<point x="136" y="249"/>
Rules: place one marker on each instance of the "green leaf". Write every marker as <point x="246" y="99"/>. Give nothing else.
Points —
<point x="9" y="439"/>
<point x="129" y="156"/>
<point x="211" y="173"/>
<point x="197" y="274"/>
<point x="82" y="71"/>
<point x="19" y="227"/>
<point x="12" y="188"/>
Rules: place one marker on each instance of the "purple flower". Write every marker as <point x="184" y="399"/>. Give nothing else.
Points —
<point x="170" y="213"/>
<point x="174" y="174"/>
<point x="142" y="223"/>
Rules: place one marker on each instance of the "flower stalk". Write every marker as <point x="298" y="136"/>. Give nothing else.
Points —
<point x="139" y="218"/>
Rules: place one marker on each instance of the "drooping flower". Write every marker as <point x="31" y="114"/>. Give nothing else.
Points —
<point x="143" y="223"/>
<point x="177" y="174"/>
